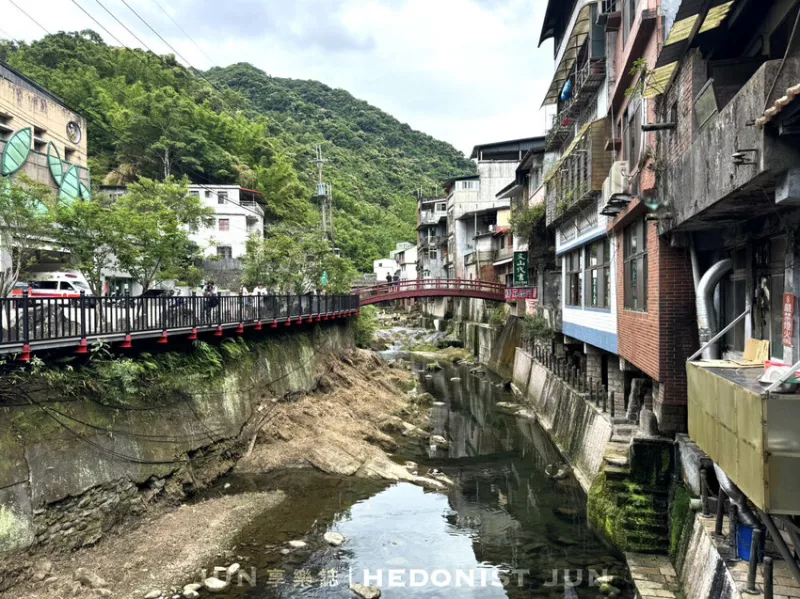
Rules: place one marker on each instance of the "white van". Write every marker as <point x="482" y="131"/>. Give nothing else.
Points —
<point x="67" y="284"/>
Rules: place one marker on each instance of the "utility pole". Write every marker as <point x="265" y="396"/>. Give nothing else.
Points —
<point x="325" y="196"/>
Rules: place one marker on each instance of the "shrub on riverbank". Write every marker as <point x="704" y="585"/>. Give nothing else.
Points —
<point x="365" y="325"/>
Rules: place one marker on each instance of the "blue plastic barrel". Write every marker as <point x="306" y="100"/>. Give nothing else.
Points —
<point x="744" y="539"/>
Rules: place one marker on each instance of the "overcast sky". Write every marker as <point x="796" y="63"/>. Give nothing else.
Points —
<point x="465" y="71"/>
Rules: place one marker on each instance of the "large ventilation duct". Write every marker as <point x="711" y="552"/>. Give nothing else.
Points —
<point x="706" y="314"/>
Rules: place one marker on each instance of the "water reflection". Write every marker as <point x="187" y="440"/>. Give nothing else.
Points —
<point x="503" y="517"/>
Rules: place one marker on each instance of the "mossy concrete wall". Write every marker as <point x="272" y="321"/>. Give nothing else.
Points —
<point x="578" y="428"/>
<point x="63" y="485"/>
<point x="493" y="344"/>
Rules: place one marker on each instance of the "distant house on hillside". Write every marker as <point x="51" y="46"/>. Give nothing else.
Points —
<point x="238" y="214"/>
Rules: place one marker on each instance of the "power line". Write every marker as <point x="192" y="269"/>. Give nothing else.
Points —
<point x="42" y="27"/>
<point x="125" y="27"/>
<point x="148" y="67"/>
<point x="184" y="32"/>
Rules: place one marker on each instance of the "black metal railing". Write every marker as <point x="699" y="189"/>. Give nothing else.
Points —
<point x="59" y="321"/>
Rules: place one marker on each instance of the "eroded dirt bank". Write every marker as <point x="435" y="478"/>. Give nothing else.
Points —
<point x="358" y="411"/>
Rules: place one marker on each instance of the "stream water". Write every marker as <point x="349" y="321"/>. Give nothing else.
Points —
<point x="504" y="530"/>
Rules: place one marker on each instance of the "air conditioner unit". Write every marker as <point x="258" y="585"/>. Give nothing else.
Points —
<point x="606" y="190"/>
<point x="618" y="178"/>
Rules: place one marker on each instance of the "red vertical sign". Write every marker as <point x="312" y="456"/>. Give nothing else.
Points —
<point x="788" y="319"/>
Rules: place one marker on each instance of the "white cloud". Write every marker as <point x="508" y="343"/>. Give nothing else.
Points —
<point x="465" y="71"/>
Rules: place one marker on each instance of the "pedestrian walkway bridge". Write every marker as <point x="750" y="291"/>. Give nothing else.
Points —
<point x="420" y="288"/>
<point x="29" y="323"/>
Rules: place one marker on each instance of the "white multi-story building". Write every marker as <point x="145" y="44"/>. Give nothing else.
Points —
<point x="477" y="194"/>
<point x="406" y="259"/>
<point x="238" y="214"/>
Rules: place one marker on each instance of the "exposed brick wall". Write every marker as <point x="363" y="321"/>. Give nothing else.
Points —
<point x="690" y="79"/>
<point x="658" y="341"/>
<point x="638" y="332"/>
<point x="678" y="326"/>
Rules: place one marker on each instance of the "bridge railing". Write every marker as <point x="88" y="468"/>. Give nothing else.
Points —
<point x="459" y="286"/>
<point x="60" y="321"/>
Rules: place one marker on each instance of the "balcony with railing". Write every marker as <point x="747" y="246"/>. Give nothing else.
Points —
<point x="577" y="178"/>
<point x="254" y="208"/>
<point x="585" y="83"/>
<point x="430" y="241"/>
<point x="431" y="217"/>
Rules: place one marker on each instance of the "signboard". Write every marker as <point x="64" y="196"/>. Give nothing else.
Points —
<point x="788" y="319"/>
<point x="522" y="293"/>
<point x="530" y="306"/>
<point x="520" y="268"/>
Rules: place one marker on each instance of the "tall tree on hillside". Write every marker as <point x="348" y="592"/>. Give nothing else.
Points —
<point x="287" y="198"/>
<point x="25" y="226"/>
<point x="293" y="259"/>
<point x="155" y="220"/>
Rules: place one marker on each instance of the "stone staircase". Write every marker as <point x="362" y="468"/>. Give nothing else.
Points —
<point x="634" y="513"/>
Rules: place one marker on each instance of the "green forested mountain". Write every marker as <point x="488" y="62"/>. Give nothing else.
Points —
<point x="150" y="116"/>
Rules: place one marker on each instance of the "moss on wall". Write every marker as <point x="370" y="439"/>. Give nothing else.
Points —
<point x="627" y="516"/>
<point x="681" y="520"/>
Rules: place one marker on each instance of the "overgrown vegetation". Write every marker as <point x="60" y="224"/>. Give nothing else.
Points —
<point x="295" y="259"/>
<point x="498" y="315"/>
<point x="524" y="219"/>
<point x="149" y="116"/>
<point x="365" y="325"/>
<point x="535" y="328"/>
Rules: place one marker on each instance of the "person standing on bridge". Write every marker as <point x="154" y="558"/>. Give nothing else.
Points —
<point x="388" y="277"/>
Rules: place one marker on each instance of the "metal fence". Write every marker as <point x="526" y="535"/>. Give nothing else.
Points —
<point x="54" y="322"/>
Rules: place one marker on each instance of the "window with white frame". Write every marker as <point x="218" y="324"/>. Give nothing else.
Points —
<point x="574" y="274"/>
<point x="597" y="261"/>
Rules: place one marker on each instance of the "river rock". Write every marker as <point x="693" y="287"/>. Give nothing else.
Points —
<point x="104" y="593"/>
<point x="365" y="592"/>
<point x="526" y="414"/>
<point x="439" y="441"/>
<point x="89" y="579"/>
<point x="611" y="579"/>
<point x="432" y="366"/>
<point x="333" y="460"/>
<point x="609" y="589"/>
<point x="215" y="585"/>
<point x="154" y="594"/>
<point x="333" y="538"/>
<point x="194" y="586"/>
<point x="191" y="595"/>
<point x="41" y="570"/>
<point x="233" y="569"/>
<point x="410" y="465"/>
<point x="424" y="399"/>
<point x="297" y="544"/>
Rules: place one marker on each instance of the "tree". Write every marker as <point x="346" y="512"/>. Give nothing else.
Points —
<point x="90" y="231"/>
<point x="292" y="258"/>
<point x="155" y="220"/>
<point x="25" y="225"/>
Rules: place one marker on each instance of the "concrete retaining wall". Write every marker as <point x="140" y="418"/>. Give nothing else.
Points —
<point x="64" y="485"/>
<point x="578" y="428"/>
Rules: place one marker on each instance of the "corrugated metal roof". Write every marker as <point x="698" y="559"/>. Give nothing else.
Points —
<point x="573" y="45"/>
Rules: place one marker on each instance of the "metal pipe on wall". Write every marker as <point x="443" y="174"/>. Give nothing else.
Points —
<point x="706" y="313"/>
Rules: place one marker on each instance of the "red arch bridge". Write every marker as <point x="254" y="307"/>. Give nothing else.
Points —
<point x="421" y="288"/>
